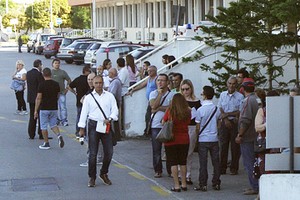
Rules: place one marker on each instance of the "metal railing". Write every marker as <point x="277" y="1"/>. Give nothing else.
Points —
<point x="169" y="65"/>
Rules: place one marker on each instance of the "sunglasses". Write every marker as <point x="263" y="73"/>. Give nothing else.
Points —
<point x="185" y="89"/>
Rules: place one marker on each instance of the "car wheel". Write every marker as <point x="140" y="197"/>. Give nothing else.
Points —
<point x="47" y="56"/>
<point x="69" y="61"/>
<point x="28" y="50"/>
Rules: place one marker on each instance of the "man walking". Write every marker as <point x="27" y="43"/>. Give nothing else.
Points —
<point x="96" y="121"/>
<point x="46" y="101"/>
<point x="247" y="133"/>
<point x="229" y="105"/>
<point x="81" y="87"/>
<point x="159" y="101"/>
<point x="61" y="76"/>
<point x="34" y="79"/>
<point x="20" y="43"/>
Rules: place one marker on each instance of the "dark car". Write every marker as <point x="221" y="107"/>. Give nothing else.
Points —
<point x="80" y="51"/>
<point x="40" y="42"/>
<point x="51" y="47"/>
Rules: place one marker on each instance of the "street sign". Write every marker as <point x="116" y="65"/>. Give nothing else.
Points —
<point x="59" y="21"/>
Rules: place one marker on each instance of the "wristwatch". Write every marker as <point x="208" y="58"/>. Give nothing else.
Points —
<point x="110" y="119"/>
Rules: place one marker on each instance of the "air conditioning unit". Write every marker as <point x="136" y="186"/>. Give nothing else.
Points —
<point x="138" y="35"/>
<point x="163" y="36"/>
<point x="105" y="34"/>
<point x="150" y="36"/>
<point x="123" y="35"/>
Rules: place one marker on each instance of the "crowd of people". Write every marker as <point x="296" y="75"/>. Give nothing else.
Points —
<point x="236" y="121"/>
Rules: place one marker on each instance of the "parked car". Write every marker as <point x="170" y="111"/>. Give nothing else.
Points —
<point x="90" y="52"/>
<point x="138" y="53"/>
<point x="80" y="50"/>
<point x="113" y="52"/>
<point x="31" y="41"/>
<point x="40" y="42"/>
<point x="66" y="53"/>
<point x="67" y="41"/>
<point x="51" y="47"/>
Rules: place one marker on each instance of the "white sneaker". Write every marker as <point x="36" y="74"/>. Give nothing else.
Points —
<point x="18" y="112"/>
<point x="24" y="112"/>
<point x="61" y="142"/>
<point x="85" y="164"/>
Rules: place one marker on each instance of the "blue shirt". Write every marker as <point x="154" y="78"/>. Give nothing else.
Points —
<point x="151" y="86"/>
<point x="230" y="102"/>
<point x="210" y="133"/>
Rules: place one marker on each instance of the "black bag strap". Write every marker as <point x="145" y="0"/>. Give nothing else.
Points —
<point x="99" y="106"/>
<point x="159" y="105"/>
<point x="207" y="122"/>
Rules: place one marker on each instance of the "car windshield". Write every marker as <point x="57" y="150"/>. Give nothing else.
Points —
<point x="82" y="45"/>
<point x="49" y="42"/>
<point x="95" y="46"/>
<point x="44" y="37"/>
<point x="66" y="42"/>
<point x="139" y="53"/>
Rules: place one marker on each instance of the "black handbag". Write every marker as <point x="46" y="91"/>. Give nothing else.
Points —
<point x="166" y="133"/>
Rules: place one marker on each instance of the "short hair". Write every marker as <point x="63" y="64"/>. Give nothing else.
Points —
<point x="209" y="92"/>
<point x="244" y="72"/>
<point x="165" y="56"/>
<point x="153" y="66"/>
<point x="147" y="63"/>
<point x="121" y="62"/>
<point x="37" y="63"/>
<point x="165" y="75"/>
<point x="54" y="60"/>
<point x="232" y="78"/>
<point x="86" y="69"/>
<point x="249" y="89"/>
<point x="47" y="72"/>
<point x="178" y="75"/>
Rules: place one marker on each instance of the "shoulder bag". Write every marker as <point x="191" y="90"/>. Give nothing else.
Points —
<point x="166" y="133"/>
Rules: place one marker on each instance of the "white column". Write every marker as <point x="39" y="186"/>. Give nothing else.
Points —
<point x="168" y="14"/>
<point x="215" y="4"/>
<point x="139" y="15"/>
<point x="107" y="17"/>
<point x="155" y="15"/>
<point x="161" y="14"/>
<point x="124" y="17"/>
<point x="129" y="17"/>
<point x="150" y="15"/>
<point x="133" y="15"/>
<point x="143" y="20"/>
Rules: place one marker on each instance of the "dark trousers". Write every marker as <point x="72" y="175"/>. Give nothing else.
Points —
<point x="147" y="118"/>
<point x="32" y="122"/>
<point x="20" y="100"/>
<point x="156" y="151"/>
<point x="213" y="149"/>
<point x="20" y="48"/>
<point x="94" y="139"/>
<point x="228" y="136"/>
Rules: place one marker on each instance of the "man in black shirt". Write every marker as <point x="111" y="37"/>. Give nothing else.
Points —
<point x="81" y="87"/>
<point x="46" y="101"/>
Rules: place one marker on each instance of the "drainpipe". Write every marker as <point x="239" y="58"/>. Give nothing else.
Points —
<point x="291" y="135"/>
<point x="94" y="23"/>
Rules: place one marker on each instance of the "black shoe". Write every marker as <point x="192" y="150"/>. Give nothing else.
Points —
<point x="189" y="181"/>
<point x="184" y="188"/>
<point x="175" y="190"/>
<point x="201" y="188"/>
<point x="216" y="187"/>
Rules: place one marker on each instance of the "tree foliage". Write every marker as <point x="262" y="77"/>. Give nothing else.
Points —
<point x="81" y="17"/>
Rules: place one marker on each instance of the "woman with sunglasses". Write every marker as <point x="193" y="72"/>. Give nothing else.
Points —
<point x="187" y="90"/>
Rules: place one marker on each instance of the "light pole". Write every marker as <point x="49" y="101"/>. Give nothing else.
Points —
<point x="51" y="22"/>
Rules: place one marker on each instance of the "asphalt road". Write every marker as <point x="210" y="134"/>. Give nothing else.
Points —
<point x="29" y="173"/>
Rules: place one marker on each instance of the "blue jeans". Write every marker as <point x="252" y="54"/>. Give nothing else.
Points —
<point x="156" y="151"/>
<point x="62" y="108"/>
<point x="79" y="108"/>
<point x="213" y="149"/>
<point x="48" y="117"/>
<point x="94" y="138"/>
<point x="247" y="151"/>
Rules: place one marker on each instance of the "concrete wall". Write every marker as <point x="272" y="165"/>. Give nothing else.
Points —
<point x="279" y="186"/>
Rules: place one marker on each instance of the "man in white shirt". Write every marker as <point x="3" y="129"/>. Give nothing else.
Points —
<point x="123" y="75"/>
<point x="92" y="112"/>
<point x="208" y="114"/>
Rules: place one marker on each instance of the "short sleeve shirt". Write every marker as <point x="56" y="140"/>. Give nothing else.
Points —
<point x="50" y="91"/>
<point x="60" y="76"/>
<point x="156" y="122"/>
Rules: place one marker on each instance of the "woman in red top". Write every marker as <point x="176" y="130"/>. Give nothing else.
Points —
<point x="177" y="150"/>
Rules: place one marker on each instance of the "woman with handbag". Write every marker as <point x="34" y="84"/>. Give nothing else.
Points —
<point x="19" y="78"/>
<point x="177" y="149"/>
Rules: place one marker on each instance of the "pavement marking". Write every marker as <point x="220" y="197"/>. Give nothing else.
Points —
<point x="18" y="121"/>
<point x="62" y="130"/>
<point x="2" y="117"/>
<point x="136" y="175"/>
<point x="160" y="191"/>
<point x="120" y="166"/>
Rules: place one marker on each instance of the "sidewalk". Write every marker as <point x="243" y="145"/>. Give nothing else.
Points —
<point x="9" y="44"/>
